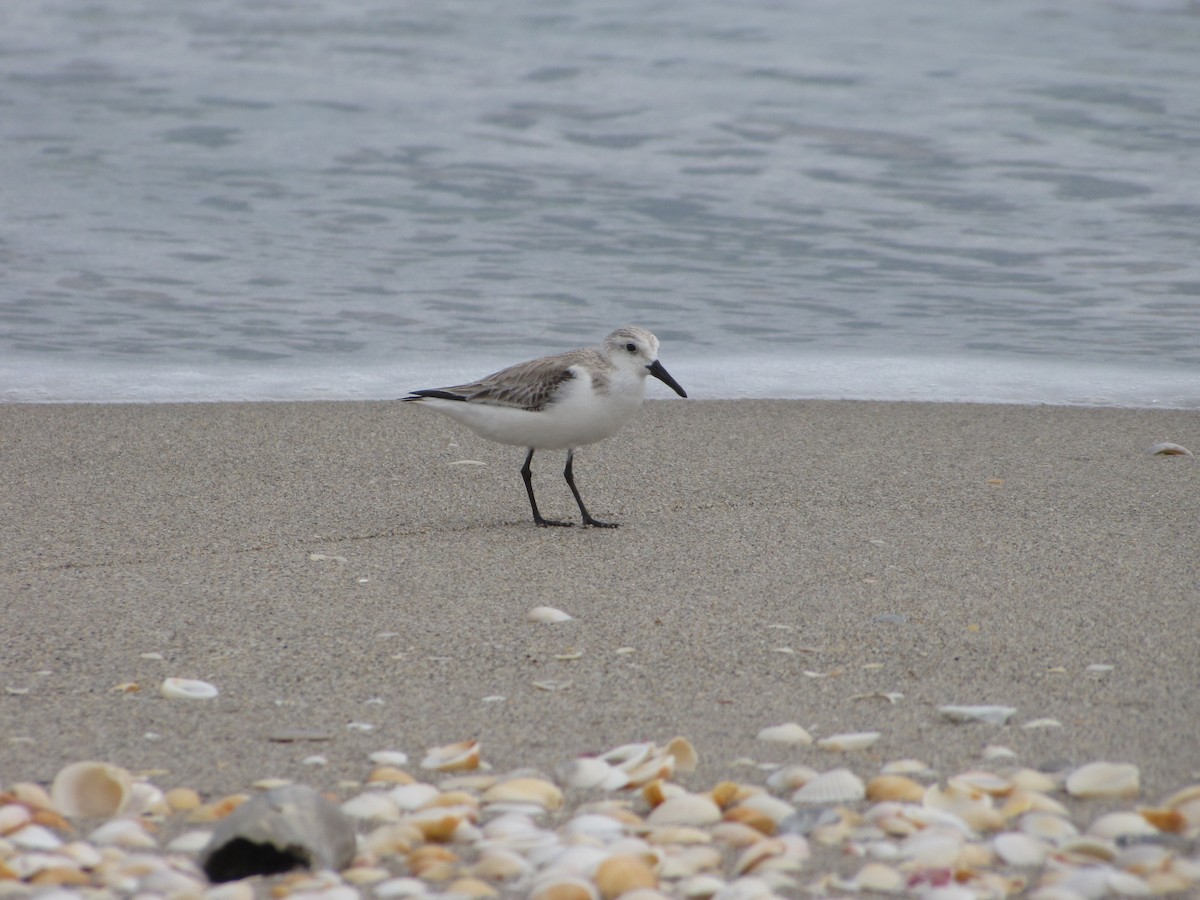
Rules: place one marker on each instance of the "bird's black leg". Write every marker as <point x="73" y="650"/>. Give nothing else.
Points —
<point x="567" y="474"/>
<point x="527" y="474"/>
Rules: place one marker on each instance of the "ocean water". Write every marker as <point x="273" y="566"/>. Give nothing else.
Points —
<point x="258" y="199"/>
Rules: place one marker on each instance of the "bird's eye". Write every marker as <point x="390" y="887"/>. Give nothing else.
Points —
<point x="632" y="348"/>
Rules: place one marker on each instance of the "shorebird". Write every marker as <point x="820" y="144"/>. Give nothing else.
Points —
<point x="556" y="402"/>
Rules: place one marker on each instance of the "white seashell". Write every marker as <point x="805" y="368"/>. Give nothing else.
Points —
<point x="372" y="807"/>
<point x="587" y="772"/>
<point x="992" y="715"/>
<point x="1117" y="824"/>
<point x="190" y="842"/>
<point x="685" y="809"/>
<point x="602" y="828"/>
<point x="789" y="778"/>
<point x="547" y="615"/>
<point x="1041" y="723"/>
<point x="82" y="853"/>
<point x="187" y="689"/>
<point x="906" y="767"/>
<point x="126" y="833"/>
<point x="389" y="758"/>
<point x="457" y="757"/>
<point x="844" y="743"/>
<point x="13" y="816"/>
<point x="747" y="887"/>
<point x="408" y="797"/>
<point x="1103" y="779"/>
<point x="700" y="886"/>
<point x="35" y="837"/>
<point x="1021" y="850"/>
<point x="684" y="753"/>
<point x="399" y="887"/>
<point x="933" y="847"/>
<point x="525" y="790"/>
<point x="1047" y="827"/>
<point x="994" y="752"/>
<point x="880" y="878"/>
<point x="554" y="886"/>
<point x="91" y="790"/>
<point x="1166" y="448"/>
<point x="628" y="756"/>
<point x="772" y="807"/>
<point x="836" y="786"/>
<point x="788" y="733"/>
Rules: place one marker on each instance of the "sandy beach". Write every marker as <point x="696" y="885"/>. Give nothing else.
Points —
<point x="356" y="577"/>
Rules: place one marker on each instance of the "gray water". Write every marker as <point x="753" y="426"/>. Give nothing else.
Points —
<point x="348" y="198"/>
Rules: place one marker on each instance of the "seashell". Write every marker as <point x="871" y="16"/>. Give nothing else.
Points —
<point x="787" y="733"/>
<point x="880" y="878"/>
<point x="628" y="756"/>
<point x="190" y="842"/>
<point x="618" y="875"/>
<point x="685" y="809"/>
<point x="1033" y="724"/>
<point x="1166" y="448"/>
<point x="589" y="772"/>
<point x="1118" y="824"/>
<point x="992" y="715"/>
<point x="394" y="758"/>
<point x="982" y="782"/>
<point x="389" y="775"/>
<point x="1020" y="802"/>
<point x="1020" y="850"/>
<point x="372" y="807"/>
<point x="558" y="887"/>
<point x="498" y="864"/>
<point x="91" y="790"/>
<point x="1033" y="780"/>
<point x="993" y="752"/>
<point x="125" y="833"/>
<point x="759" y="821"/>
<point x="408" y="797"/>
<point x="772" y="807"/>
<point x="1103" y="779"/>
<point x="432" y="862"/>
<point x="547" y="615"/>
<point x="32" y="795"/>
<point x="1048" y="827"/>
<point x="906" y="767"/>
<point x="844" y="743"/>
<point x="678" y="836"/>
<point x="187" y="689"/>
<point x="596" y="826"/>
<point x="396" y="887"/>
<point x="932" y="847"/>
<point x="458" y="757"/>
<point x="182" y="799"/>
<point x="684" y="754"/>
<point x="471" y="888"/>
<point x="1169" y="820"/>
<point x="700" y="886"/>
<point x="1088" y="849"/>
<point x="836" y="786"/>
<point x="35" y="837"/>
<point x="789" y="778"/>
<point x="13" y="816"/>
<point x="363" y="875"/>
<point x="525" y="790"/>
<point x="895" y="787"/>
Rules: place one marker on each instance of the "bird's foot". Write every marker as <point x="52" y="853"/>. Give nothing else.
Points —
<point x="596" y="523"/>
<point x="545" y="523"/>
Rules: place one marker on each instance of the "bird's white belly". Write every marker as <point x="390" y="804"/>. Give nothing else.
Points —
<point x="579" y="416"/>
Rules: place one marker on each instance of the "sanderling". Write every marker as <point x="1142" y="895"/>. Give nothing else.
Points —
<point x="556" y="402"/>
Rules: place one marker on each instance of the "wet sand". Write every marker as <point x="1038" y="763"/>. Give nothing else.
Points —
<point x="349" y="586"/>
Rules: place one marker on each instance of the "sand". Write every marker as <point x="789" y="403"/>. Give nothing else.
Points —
<point x="350" y="587"/>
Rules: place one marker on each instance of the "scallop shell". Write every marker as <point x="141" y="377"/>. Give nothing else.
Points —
<point x="188" y="689"/>
<point x="457" y="757"/>
<point x="91" y="790"/>
<point x="547" y="615"/>
<point x="842" y="743"/>
<point x="835" y="786"/>
<point x="787" y="733"/>
<point x="1103" y="779"/>
<point x="992" y="715"/>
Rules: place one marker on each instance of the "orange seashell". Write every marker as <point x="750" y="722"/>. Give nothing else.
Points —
<point x="389" y="775"/>
<point x="182" y="799"/>
<point x="61" y="875"/>
<point x="618" y="875"/>
<point x="726" y="793"/>
<point x="894" y="787"/>
<point x="1165" y="819"/>
<point x="432" y="862"/>
<point x="440" y="830"/>
<point x="759" y="821"/>
<point x="565" y="889"/>
<point x="471" y="887"/>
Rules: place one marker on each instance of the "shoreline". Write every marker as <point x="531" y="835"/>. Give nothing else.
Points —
<point x="328" y="566"/>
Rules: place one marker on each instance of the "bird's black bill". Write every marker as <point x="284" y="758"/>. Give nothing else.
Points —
<point x="657" y="370"/>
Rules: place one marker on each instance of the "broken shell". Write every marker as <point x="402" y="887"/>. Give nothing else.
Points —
<point x="1166" y="448"/>
<point x="91" y="790"/>
<point x="589" y="772"/>
<point x="686" y="758"/>
<point x="525" y="790"/>
<point x="547" y="615"/>
<point x="992" y="715"/>
<point x="894" y="787"/>
<point x="1103" y="779"/>
<point x="188" y="689"/>
<point x="842" y="743"/>
<point x="618" y="875"/>
<point x="787" y="733"/>
<point x="685" y="809"/>
<point x="457" y="757"/>
<point x="836" y="786"/>
<point x="1021" y="850"/>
